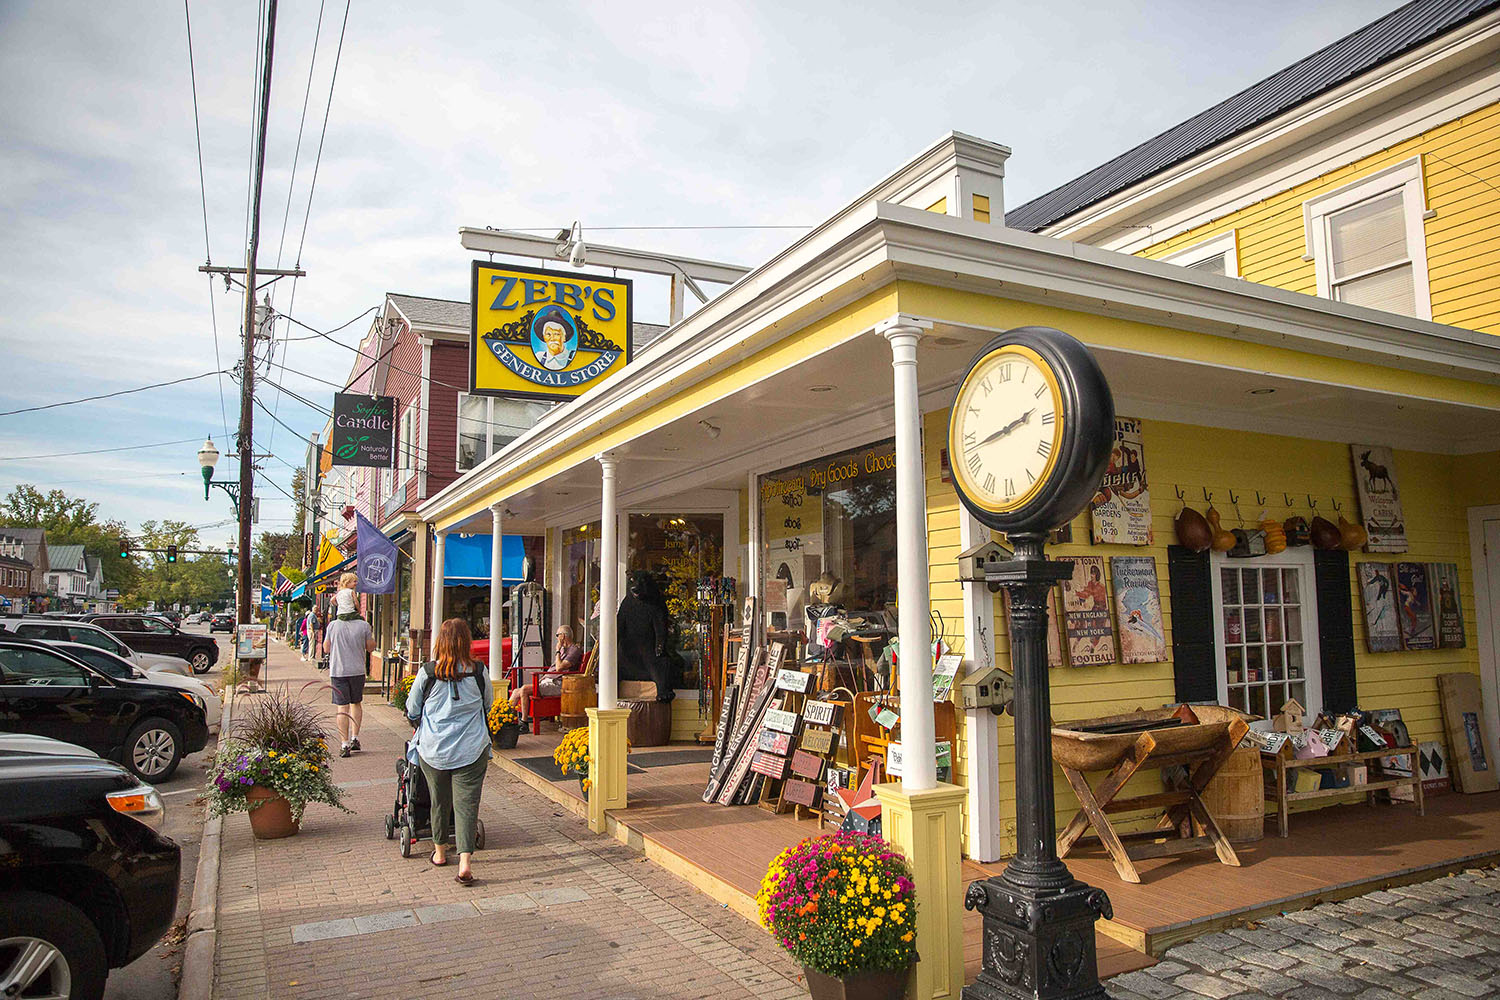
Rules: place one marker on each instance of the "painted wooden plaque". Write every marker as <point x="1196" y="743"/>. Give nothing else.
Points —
<point x="821" y="713"/>
<point x="1377" y="590"/>
<point x="1091" y="635"/>
<point x="818" y="740"/>
<point x="769" y="764"/>
<point x="808" y="765"/>
<point x="774" y="658"/>
<point x="803" y="793"/>
<point x="792" y="680"/>
<point x="773" y="742"/>
<point x="1414" y="606"/>
<point x="726" y="727"/>
<point x="1143" y="637"/>
<point x="1379" y="500"/>
<point x="782" y="722"/>
<point x="1447" y="608"/>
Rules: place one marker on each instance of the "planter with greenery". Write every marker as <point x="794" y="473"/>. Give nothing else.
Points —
<point x="505" y="724"/>
<point x="844" y="906"/>
<point x="572" y="756"/>
<point x="401" y="690"/>
<point x="271" y="765"/>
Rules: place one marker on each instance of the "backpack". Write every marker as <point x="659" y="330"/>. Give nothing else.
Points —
<point x="428" y="670"/>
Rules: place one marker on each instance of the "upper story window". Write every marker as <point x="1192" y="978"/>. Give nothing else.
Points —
<point x="487" y="424"/>
<point x="406" y="443"/>
<point x="1367" y="241"/>
<point x="1217" y="255"/>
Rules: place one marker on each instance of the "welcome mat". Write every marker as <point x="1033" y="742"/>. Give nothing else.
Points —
<point x="668" y="758"/>
<point x="546" y="767"/>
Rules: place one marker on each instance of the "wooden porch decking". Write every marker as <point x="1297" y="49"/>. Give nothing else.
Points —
<point x="1332" y="854"/>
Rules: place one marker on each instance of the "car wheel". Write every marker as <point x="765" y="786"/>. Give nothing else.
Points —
<point x="201" y="661"/>
<point x="153" y="750"/>
<point x="48" y="948"/>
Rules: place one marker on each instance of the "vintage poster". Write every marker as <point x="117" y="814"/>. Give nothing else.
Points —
<point x="1377" y="588"/>
<point x="1414" y="602"/>
<point x="1379" y="500"/>
<point x="1054" y="626"/>
<point x="1143" y="637"/>
<point x="1122" y="507"/>
<point x="1091" y="636"/>
<point x="1447" y="609"/>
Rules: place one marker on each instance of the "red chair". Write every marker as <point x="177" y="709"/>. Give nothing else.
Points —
<point x="550" y="708"/>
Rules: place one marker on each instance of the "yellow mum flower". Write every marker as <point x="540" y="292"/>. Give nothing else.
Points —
<point x="880" y="911"/>
<point x="857" y="942"/>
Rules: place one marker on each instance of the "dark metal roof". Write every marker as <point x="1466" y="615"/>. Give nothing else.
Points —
<point x="1377" y="42"/>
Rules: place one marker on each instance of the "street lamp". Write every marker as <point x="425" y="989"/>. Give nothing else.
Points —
<point x="208" y="457"/>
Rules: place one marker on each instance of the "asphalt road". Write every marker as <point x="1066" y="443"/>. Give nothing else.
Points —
<point x="154" y="975"/>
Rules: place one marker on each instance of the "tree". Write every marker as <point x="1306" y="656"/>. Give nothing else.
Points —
<point x="72" y="521"/>
<point x="160" y="581"/>
<point x="272" y="550"/>
<point x="299" y="490"/>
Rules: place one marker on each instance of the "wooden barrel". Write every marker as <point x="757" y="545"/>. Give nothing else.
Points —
<point x="578" y="693"/>
<point x="649" y="723"/>
<point x="1236" y="799"/>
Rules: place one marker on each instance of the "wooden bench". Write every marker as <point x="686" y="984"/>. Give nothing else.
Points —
<point x="1284" y="763"/>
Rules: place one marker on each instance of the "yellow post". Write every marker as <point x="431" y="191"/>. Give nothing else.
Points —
<point x="925" y="827"/>
<point x="606" y="763"/>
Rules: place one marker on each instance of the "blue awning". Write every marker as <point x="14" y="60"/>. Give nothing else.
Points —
<point x="466" y="559"/>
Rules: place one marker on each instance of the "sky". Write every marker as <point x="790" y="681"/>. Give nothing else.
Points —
<point x="500" y="114"/>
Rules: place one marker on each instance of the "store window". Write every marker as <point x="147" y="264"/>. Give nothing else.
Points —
<point x="836" y="516"/>
<point x="1213" y="256"/>
<point x="679" y="550"/>
<point x="487" y="424"/>
<point x="1267" y="620"/>
<point x="1368" y="243"/>
<point x="580" y="583"/>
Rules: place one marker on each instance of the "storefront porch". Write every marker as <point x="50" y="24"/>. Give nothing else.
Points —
<point x="1333" y="854"/>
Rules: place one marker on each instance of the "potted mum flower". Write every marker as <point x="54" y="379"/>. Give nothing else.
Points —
<point x="572" y="756"/>
<point x="401" y="690"/>
<point x="843" y="905"/>
<point x="273" y="763"/>
<point x="505" y="724"/>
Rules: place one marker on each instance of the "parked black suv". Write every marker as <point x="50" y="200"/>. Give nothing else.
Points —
<point x="86" y="883"/>
<point x="47" y="692"/>
<point x="150" y="634"/>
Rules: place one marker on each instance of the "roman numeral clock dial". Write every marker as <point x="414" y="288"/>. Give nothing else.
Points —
<point x="1006" y="429"/>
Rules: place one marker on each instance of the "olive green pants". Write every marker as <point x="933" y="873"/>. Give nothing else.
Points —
<point x="457" y="789"/>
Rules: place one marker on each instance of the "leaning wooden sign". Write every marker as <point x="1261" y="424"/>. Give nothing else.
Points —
<point x="782" y="722"/>
<point x="820" y="713"/>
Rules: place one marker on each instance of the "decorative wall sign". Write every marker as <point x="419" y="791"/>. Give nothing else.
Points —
<point x="545" y="334"/>
<point x="364" y="430"/>
<point x="819" y="740"/>
<point x="1331" y="738"/>
<point x="782" y="722"/>
<point x="1379" y="500"/>
<point x="803" y="793"/>
<point x="1447" y="608"/>
<point x="820" y="713"/>
<point x="769" y="764"/>
<point x="1091" y="637"/>
<point x="1377" y="588"/>
<point x="773" y="742"/>
<point x="792" y="680"/>
<point x="808" y="765"/>
<point x="1143" y="636"/>
<point x="1414" y="604"/>
<point x="1122" y="507"/>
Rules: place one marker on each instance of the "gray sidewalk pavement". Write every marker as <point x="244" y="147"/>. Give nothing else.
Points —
<point x="556" y="912"/>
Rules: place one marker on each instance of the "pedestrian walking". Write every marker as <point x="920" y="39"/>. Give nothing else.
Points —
<point x="449" y="703"/>
<point x="347" y="641"/>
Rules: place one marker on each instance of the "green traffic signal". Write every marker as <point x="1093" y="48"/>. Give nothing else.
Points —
<point x="171" y="553"/>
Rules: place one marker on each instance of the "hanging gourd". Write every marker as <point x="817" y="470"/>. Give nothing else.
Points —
<point x="1325" y="534"/>
<point x="1351" y="536"/>
<point x="1223" y="539"/>
<point x="1275" y="534"/>
<point x="1193" y="532"/>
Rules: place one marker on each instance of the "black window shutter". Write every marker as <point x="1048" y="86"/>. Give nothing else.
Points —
<point x="1193" y="662"/>
<point x="1335" y="629"/>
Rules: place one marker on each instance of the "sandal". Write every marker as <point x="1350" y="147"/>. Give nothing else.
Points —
<point x="436" y="863"/>
<point x="464" y="878"/>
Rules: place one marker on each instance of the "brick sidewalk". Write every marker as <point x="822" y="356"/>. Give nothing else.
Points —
<point x="556" y="912"/>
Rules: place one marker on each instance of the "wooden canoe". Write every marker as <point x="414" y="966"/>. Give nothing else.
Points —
<point x="1084" y="751"/>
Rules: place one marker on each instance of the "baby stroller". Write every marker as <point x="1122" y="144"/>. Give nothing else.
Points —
<point x="411" y="812"/>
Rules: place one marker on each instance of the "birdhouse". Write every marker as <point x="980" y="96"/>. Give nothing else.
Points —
<point x="1289" y="719"/>
<point x="972" y="563"/>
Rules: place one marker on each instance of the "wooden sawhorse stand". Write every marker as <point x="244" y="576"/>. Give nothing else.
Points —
<point x="1180" y="809"/>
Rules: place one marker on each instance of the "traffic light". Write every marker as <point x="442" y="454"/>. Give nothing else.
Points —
<point x="171" y="553"/>
<point x="124" y="550"/>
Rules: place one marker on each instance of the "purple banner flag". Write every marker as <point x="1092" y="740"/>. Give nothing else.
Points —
<point x="377" y="559"/>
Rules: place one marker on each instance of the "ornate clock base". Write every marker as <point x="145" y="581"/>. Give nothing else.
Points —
<point x="1038" y="942"/>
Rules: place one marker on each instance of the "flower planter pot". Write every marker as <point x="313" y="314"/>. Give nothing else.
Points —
<point x="506" y="738"/>
<point x="272" y="819"/>
<point x="879" y="984"/>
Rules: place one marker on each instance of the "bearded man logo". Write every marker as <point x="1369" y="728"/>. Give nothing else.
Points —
<point x="554" y="339"/>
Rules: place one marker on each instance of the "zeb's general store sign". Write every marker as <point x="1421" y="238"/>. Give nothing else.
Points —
<point x="546" y="334"/>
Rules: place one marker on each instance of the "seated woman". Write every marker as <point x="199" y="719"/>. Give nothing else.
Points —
<point x="568" y="659"/>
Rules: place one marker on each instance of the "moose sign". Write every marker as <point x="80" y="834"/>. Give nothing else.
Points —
<point x="1379" y="500"/>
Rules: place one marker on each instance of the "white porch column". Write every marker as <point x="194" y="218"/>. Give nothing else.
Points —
<point x="497" y="583"/>
<point x="609" y="579"/>
<point x="980" y="726"/>
<point x="440" y="535"/>
<point x="914" y="607"/>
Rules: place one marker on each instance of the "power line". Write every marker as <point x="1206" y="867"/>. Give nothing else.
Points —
<point x="95" y="451"/>
<point x="639" y="229"/>
<point x="318" y="160"/>
<point x="110" y="395"/>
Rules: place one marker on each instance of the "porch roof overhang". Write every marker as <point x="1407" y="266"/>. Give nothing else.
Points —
<point x="1176" y="343"/>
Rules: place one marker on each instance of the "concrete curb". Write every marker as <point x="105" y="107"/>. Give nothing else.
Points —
<point x="202" y="943"/>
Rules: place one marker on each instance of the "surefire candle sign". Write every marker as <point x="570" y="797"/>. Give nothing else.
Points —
<point x="545" y="334"/>
<point x="364" y="430"/>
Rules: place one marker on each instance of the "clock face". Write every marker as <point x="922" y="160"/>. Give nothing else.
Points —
<point x="1007" y="429"/>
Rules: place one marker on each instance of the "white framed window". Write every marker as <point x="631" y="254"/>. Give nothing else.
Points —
<point x="1266" y="628"/>
<point x="406" y="448"/>
<point x="487" y="424"/>
<point x="1215" y="255"/>
<point x="1368" y="244"/>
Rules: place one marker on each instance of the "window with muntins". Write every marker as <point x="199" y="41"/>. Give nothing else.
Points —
<point x="487" y="424"/>
<point x="1265" y="610"/>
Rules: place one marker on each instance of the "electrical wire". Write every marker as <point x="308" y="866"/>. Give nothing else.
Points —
<point x="640" y="229"/>
<point x="94" y="451"/>
<point x="111" y="395"/>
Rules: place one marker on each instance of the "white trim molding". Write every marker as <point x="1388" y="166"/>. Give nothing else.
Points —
<point x="1224" y="246"/>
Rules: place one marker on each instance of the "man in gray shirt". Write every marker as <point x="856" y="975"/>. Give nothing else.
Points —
<point x="348" y="640"/>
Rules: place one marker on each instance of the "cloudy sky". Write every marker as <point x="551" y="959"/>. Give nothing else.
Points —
<point x="497" y="114"/>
